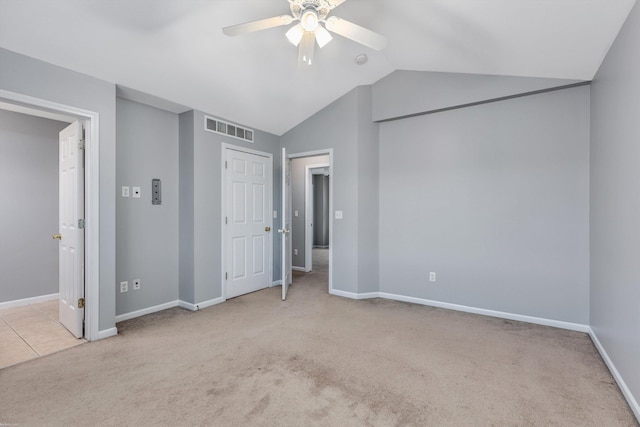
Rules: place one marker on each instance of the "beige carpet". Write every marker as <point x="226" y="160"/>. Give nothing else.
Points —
<point x="318" y="359"/>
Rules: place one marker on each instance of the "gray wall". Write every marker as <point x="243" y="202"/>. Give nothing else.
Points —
<point x="346" y="126"/>
<point x="298" y="169"/>
<point x="409" y="92"/>
<point x="615" y="203"/>
<point x="21" y="74"/>
<point x="204" y="179"/>
<point x="29" y="200"/>
<point x="146" y="234"/>
<point x="494" y="199"/>
<point x="321" y="187"/>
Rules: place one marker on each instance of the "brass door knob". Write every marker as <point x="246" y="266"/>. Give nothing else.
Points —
<point x="57" y="237"/>
<point x="267" y="229"/>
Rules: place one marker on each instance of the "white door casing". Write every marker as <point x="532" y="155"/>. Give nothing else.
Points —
<point x="71" y="231"/>
<point x="285" y="231"/>
<point x="309" y="219"/>
<point x="248" y="193"/>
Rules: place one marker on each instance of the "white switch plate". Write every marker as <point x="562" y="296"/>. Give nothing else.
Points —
<point x="136" y="284"/>
<point x="275" y="214"/>
<point x="125" y="191"/>
<point x="136" y="192"/>
<point x="124" y="286"/>
<point x="295" y="213"/>
<point x="338" y="214"/>
<point x="432" y="277"/>
<point x="295" y="252"/>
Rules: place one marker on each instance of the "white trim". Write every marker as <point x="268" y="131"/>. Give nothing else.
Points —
<point x="325" y="152"/>
<point x="269" y="208"/>
<point x="353" y="295"/>
<point x="91" y="201"/>
<point x="201" y="305"/>
<point x="293" y="267"/>
<point x="145" y="311"/>
<point x="277" y="283"/>
<point x="633" y="403"/>
<point x="500" y="314"/>
<point x="107" y="333"/>
<point x="28" y="301"/>
<point x="308" y="214"/>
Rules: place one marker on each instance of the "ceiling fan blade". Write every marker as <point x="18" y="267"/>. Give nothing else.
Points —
<point x="306" y="50"/>
<point x="263" y="24"/>
<point x="356" y="33"/>
<point x="336" y="3"/>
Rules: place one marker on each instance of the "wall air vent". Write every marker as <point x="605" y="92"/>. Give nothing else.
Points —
<point x="224" y="128"/>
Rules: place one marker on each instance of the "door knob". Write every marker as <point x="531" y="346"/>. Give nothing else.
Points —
<point x="267" y="229"/>
<point x="57" y="236"/>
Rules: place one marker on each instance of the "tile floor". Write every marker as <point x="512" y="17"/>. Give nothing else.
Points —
<point x="31" y="331"/>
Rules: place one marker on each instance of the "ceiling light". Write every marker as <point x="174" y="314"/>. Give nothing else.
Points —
<point x="361" y="59"/>
<point x="295" y="34"/>
<point x="309" y="20"/>
<point x="322" y="36"/>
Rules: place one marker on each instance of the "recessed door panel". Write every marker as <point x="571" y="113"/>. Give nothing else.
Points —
<point x="239" y="190"/>
<point x="258" y="255"/>
<point x="258" y="203"/>
<point x="239" y="253"/>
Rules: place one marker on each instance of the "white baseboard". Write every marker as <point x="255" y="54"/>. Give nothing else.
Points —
<point x="500" y="314"/>
<point x="28" y="301"/>
<point x="200" y="305"/>
<point x="633" y="403"/>
<point x="277" y="283"/>
<point x="304" y="270"/>
<point x="353" y="295"/>
<point x="148" y="310"/>
<point x="106" y="333"/>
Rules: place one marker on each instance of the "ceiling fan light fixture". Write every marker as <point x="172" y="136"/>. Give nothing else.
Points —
<point x="309" y="20"/>
<point x="323" y="36"/>
<point x="295" y="34"/>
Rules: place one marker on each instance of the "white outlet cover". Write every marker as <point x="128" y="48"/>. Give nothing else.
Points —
<point x="295" y="252"/>
<point x="338" y="214"/>
<point x="125" y="191"/>
<point x="136" y="192"/>
<point x="124" y="286"/>
<point x="432" y="277"/>
<point x="295" y="213"/>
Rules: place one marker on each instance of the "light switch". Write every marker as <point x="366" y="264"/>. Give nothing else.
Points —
<point x="275" y="214"/>
<point x="338" y="214"/>
<point x="125" y="191"/>
<point x="136" y="192"/>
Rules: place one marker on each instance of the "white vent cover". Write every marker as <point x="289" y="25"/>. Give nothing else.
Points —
<point x="224" y="128"/>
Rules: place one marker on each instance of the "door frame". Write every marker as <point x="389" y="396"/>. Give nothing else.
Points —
<point x="308" y="213"/>
<point x="323" y="152"/>
<point x="227" y="146"/>
<point x="91" y="122"/>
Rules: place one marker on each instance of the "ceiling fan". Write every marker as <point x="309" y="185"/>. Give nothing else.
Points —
<point x="310" y="15"/>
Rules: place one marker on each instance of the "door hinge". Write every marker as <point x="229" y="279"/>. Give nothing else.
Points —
<point x="226" y="276"/>
<point x="80" y="223"/>
<point x="81" y="303"/>
<point x="226" y="220"/>
<point x="226" y="164"/>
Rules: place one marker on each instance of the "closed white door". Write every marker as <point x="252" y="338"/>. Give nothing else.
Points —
<point x="285" y="231"/>
<point x="248" y="195"/>
<point x="71" y="231"/>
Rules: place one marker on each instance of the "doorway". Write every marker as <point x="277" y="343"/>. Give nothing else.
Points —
<point x="88" y="269"/>
<point x="312" y="222"/>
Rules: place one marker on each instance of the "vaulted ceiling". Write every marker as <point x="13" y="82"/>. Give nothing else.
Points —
<point x="176" y="50"/>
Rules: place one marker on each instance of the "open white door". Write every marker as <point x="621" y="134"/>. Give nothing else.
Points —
<point x="285" y="231"/>
<point x="71" y="231"/>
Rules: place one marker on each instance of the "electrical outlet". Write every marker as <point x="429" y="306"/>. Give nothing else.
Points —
<point x="125" y="191"/>
<point x="432" y="277"/>
<point x="295" y="252"/>
<point x="136" y="192"/>
<point x="338" y="214"/>
<point x="295" y="213"/>
<point x="136" y="284"/>
<point x="124" y="286"/>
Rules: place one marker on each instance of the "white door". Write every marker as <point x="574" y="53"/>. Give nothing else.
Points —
<point x="248" y="193"/>
<point x="71" y="231"/>
<point x="285" y="231"/>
